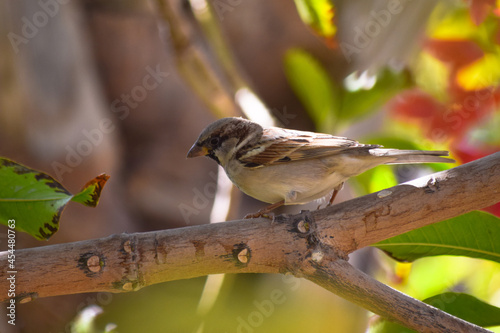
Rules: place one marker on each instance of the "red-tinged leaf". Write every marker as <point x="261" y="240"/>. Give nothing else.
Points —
<point x="449" y="126"/>
<point x="415" y="103"/>
<point x="454" y="52"/>
<point x="475" y="105"/>
<point x="496" y="11"/>
<point x="91" y="192"/>
<point x="455" y="122"/>
<point x="495" y="209"/>
<point x="466" y="153"/>
<point x="444" y="122"/>
<point x="479" y="10"/>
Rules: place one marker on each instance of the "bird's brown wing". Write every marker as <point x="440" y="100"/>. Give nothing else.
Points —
<point x="283" y="146"/>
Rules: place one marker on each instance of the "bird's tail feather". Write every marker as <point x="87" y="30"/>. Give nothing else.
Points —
<point x="413" y="156"/>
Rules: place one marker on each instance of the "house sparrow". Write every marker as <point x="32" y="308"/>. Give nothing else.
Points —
<point x="288" y="167"/>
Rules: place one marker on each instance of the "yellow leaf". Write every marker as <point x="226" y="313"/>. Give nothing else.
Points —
<point x="432" y="75"/>
<point x="481" y="74"/>
<point x="454" y="25"/>
<point x="319" y="15"/>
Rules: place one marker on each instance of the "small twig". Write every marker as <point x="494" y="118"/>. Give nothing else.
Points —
<point x="227" y="95"/>
<point x="193" y="64"/>
<point x="214" y="35"/>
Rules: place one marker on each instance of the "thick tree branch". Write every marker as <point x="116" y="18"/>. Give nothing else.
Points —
<point x="313" y="245"/>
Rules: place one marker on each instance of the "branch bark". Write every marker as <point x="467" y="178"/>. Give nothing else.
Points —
<point x="313" y="245"/>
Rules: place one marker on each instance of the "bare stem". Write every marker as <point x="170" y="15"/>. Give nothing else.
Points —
<point x="193" y="64"/>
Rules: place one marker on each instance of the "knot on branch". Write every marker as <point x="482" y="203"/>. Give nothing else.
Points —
<point x="91" y="263"/>
<point x="242" y="254"/>
<point x="304" y="226"/>
<point x="129" y="262"/>
<point x="26" y="297"/>
<point x="432" y="185"/>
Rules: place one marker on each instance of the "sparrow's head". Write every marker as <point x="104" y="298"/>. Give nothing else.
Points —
<point x="223" y="138"/>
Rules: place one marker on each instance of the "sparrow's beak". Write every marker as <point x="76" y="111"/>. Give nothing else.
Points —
<point x="196" y="151"/>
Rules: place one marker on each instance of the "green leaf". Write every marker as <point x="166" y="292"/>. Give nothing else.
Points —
<point x="467" y="307"/>
<point x="31" y="198"/>
<point x="361" y="102"/>
<point x="474" y="235"/>
<point x="382" y="177"/>
<point x="312" y="84"/>
<point x="35" y="200"/>
<point x="460" y="305"/>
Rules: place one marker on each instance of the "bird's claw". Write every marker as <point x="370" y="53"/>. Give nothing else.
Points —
<point x="264" y="214"/>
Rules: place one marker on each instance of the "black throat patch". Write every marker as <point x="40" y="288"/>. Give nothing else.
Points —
<point x="215" y="158"/>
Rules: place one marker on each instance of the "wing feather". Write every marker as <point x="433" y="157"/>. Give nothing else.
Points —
<point x="279" y="145"/>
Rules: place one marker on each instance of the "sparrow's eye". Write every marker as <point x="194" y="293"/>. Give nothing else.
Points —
<point x="214" y="141"/>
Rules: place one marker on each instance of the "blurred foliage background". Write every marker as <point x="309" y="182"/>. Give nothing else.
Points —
<point x="405" y="74"/>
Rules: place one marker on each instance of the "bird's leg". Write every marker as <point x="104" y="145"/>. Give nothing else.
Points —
<point x="334" y="194"/>
<point x="264" y="211"/>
